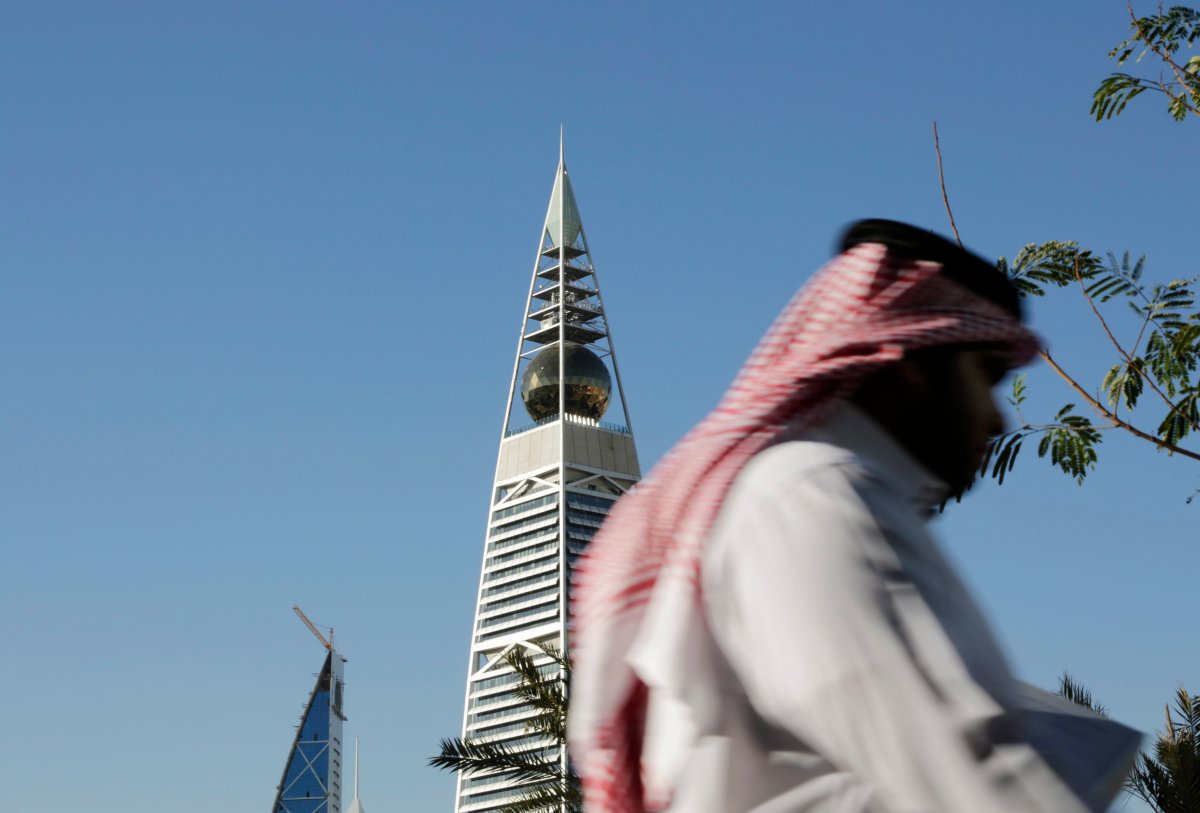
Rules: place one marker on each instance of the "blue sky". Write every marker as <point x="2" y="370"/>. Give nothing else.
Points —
<point x="263" y="265"/>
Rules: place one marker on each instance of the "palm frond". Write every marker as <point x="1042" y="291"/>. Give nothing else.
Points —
<point x="1077" y="693"/>
<point x="551" y="784"/>
<point x="475" y="757"/>
<point x="546" y="694"/>
<point x="1169" y="781"/>
<point x="548" y="798"/>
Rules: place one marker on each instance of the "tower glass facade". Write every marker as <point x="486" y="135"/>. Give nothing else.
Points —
<point x="312" y="775"/>
<point x="566" y="455"/>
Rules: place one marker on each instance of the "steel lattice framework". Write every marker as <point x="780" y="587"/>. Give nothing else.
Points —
<point x="557" y="477"/>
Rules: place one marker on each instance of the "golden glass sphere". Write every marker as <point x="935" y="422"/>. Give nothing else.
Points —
<point x="588" y="384"/>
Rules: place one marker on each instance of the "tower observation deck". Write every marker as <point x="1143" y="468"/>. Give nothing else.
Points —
<point x="566" y="454"/>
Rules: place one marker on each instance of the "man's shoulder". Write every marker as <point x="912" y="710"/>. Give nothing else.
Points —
<point x="848" y="454"/>
<point x="812" y="484"/>
<point x="804" y="463"/>
<point x="806" y="498"/>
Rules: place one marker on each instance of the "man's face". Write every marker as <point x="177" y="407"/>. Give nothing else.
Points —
<point x="956" y="412"/>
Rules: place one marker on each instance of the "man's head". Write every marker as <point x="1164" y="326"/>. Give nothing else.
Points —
<point x="937" y="401"/>
<point x="962" y="267"/>
<point x="938" y="404"/>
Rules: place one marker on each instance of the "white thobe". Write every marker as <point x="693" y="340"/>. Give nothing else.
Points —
<point x="853" y="670"/>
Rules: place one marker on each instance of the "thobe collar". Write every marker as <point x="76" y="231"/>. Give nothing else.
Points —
<point x="852" y="429"/>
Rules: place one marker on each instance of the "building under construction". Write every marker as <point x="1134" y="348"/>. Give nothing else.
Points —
<point x="312" y="775"/>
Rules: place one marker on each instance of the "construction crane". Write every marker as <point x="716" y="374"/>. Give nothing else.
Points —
<point x="327" y="643"/>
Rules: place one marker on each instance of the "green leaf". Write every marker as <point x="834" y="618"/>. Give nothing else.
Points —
<point x="1071" y="444"/>
<point x="1182" y="420"/>
<point x="1114" y="93"/>
<point x="1124" y="384"/>
<point x="1053" y="264"/>
<point x="1007" y="457"/>
<point x="1018" y="391"/>
<point x="1119" y="277"/>
<point x="1133" y="383"/>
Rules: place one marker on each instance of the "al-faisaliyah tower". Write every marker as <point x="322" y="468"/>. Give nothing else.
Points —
<point x="566" y="454"/>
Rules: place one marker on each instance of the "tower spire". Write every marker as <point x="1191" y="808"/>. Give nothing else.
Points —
<point x="355" y="805"/>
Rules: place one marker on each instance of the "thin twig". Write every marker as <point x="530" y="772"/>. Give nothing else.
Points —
<point x="1107" y="414"/>
<point x="1141" y="333"/>
<point x="942" y="180"/>
<point x="1036" y="428"/>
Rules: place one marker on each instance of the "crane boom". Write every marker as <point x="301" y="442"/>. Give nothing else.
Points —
<point x="328" y="644"/>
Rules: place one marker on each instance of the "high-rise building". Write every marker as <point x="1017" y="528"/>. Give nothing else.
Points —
<point x="566" y="454"/>
<point x="312" y="775"/>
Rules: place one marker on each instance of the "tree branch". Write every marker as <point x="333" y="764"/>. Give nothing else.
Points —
<point x="1108" y="415"/>
<point x="1175" y="69"/>
<point x="1123" y="353"/>
<point x="937" y="148"/>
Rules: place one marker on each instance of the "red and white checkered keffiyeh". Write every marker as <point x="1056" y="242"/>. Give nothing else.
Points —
<point x="640" y="577"/>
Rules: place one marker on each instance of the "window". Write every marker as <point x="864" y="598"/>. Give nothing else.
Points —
<point x="521" y="508"/>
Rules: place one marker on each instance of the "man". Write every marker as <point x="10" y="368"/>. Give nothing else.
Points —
<point x="767" y="625"/>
